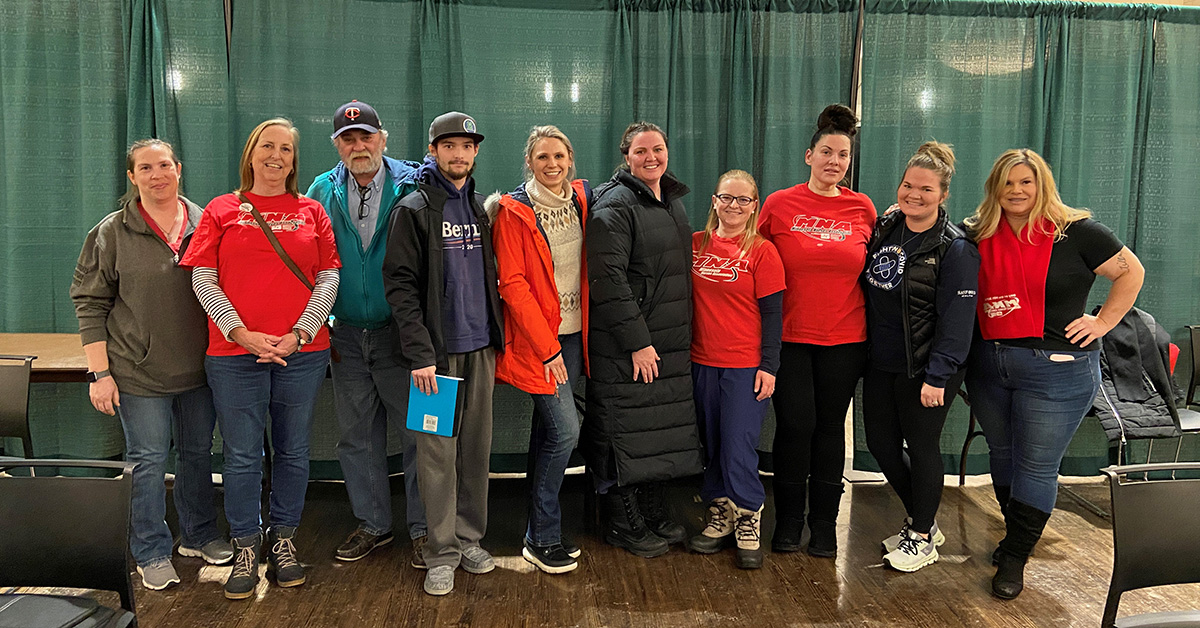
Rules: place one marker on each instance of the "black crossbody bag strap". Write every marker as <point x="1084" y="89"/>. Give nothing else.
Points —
<point x="266" y="229"/>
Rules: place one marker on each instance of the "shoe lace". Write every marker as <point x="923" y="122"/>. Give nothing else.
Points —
<point x="717" y="519"/>
<point x="285" y="553"/>
<point x="629" y="501"/>
<point x="245" y="562"/>
<point x="650" y="500"/>
<point x="745" y="529"/>
<point x="910" y="545"/>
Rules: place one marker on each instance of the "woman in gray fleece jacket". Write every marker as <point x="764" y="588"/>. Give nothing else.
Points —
<point x="145" y="335"/>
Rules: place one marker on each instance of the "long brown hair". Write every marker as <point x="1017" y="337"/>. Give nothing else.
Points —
<point x="750" y="237"/>
<point x="247" y="172"/>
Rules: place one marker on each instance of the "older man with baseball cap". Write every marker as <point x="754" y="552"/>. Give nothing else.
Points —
<point x="439" y="273"/>
<point x="369" y="385"/>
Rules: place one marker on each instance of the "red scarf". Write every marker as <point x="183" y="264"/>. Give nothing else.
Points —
<point x="1012" y="282"/>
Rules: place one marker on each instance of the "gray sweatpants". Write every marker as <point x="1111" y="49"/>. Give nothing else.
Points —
<point x="453" y="471"/>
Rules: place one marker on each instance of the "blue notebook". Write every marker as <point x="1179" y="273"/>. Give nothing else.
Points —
<point x="433" y="414"/>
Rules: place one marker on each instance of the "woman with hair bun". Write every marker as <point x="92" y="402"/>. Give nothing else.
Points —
<point x="820" y="229"/>
<point x="921" y="276"/>
<point x="1035" y="369"/>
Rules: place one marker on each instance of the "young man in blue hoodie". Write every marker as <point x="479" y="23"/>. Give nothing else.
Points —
<point x="439" y="274"/>
<point x="370" y="386"/>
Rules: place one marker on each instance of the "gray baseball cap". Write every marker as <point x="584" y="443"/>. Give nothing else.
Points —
<point x="454" y="124"/>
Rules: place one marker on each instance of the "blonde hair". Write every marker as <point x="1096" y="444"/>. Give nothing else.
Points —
<point x="750" y="237"/>
<point x="247" y="172"/>
<point x="937" y="158"/>
<point x="986" y="219"/>
<point x="547" y="132"/>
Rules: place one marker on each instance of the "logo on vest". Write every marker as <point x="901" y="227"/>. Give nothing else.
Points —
<point x="717" y="269"/>
<point x="822" y="229"/>
<point x="996" y="307"/>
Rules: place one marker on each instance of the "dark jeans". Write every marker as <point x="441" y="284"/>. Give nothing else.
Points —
<point x="150" y="423"/>
<point x="894" y="417"/>
<point x="370" y="390"/>
<point x="813" y="389"/>
<point x="730" y="421"/>
<point x="554" y="435"/>
<point x="1029" y="406"/>
<point x="244" y="393"/>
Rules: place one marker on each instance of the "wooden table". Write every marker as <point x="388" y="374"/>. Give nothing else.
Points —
<point x="59" y="356"/>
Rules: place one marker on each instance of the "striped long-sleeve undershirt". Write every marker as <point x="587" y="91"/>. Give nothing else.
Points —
<point x="214" y="301"/>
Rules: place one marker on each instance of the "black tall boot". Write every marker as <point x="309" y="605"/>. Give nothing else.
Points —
<point x="1024" y="525"/>
<point x="1003" y="495"/>
<point x="651" y="498"/>
<point x="790" y="498"/>
<point x="624" y="526"/>
<point x="824" y="499"/>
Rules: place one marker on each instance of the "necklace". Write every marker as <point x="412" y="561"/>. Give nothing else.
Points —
<point x="169" y="230"/>
<point x="903" y="230"/>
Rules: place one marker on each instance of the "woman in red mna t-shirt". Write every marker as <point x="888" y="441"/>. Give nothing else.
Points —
<point x="737" y="314"/>
<point x="268" y="345"/>
<point x="821" y="231"/>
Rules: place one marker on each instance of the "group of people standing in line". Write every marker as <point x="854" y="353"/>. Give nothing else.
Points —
<point x="683" y="338"/>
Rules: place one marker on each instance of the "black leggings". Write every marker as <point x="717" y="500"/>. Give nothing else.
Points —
<point x="893" y="416"/>
<point x="813" y="388"/>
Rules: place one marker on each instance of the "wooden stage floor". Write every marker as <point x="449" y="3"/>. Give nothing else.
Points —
<point x="1066" y="581"/>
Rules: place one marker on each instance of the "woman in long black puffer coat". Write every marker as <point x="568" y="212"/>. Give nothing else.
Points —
<point x="640" y="426"/>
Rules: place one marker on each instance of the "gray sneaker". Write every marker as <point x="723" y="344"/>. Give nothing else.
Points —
<point x="214" y="552"/>
<point x="892" y="542"/>
<point x="475" y="559"/>
<point x="158" y="575"/>
<point x="439" y="580"/>
<point x="913" y="553"/>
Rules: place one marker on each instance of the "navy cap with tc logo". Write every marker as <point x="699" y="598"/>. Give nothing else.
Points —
<point x="355" y="115"/>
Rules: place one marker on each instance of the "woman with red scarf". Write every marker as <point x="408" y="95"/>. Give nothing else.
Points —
<point x="1035" y="369"/>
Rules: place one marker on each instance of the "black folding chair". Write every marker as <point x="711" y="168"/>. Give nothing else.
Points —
<point x="14" y="399"/>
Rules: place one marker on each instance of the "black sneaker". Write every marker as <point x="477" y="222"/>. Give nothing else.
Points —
<point x="572" y="549"/>
<point x="243" y="578"/>
<point x="549" y="558"/>
<point x="282" y="558"/>
<point x="360" y="543"/>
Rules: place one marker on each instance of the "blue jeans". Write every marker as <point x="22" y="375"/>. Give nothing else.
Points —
<point x="1029" y="407"/>
<point x="244" y="391"/>
<point x="555" y="433"/>
<point x="730" y="420"/>
<point x="150" y="423"/>
<point x="369" y="388"/>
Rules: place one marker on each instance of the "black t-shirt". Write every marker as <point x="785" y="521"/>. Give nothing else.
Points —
<point x="1085" y="245"/>
<point x="885" y="321"/>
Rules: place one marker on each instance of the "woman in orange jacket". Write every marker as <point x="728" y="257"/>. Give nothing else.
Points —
<point x="538" y="237"/>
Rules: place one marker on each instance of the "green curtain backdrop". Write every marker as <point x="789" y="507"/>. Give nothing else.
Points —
<point x="734" y="83"/>
<point x="1108" y="93"/>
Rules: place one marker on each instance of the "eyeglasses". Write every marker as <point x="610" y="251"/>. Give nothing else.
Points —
<point x="728" y="199"/>
<point x="364" y="195"/>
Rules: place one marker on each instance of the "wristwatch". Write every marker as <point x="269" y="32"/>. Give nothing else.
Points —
<point x="299" y="338"/>
<point x="93" y="377"/>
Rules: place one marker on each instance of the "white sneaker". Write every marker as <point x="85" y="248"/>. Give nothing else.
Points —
<point x="913" y="553"/>
<point x="892" y="542"/>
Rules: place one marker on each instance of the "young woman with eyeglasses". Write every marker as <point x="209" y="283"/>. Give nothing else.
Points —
<point x="737" y="316"/>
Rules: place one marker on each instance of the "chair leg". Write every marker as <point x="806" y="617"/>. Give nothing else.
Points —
<point x="972" y="432"/>
<point x="1110" y="608"/>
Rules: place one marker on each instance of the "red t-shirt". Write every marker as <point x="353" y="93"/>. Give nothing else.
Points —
<point x="726" y="323"/>
<point x="823" y="244"/>
<point x="266" y="295"/>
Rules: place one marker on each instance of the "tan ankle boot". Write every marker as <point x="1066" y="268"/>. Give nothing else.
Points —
<point x="719" y="531"/>
<point x="748" y="532"/>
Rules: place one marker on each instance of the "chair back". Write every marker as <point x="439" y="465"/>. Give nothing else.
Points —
<point x="14" y="399"/>
<point x="1191" y="392"/>
<point x="1155" y="533"/>
<point x="66" y="531"/>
